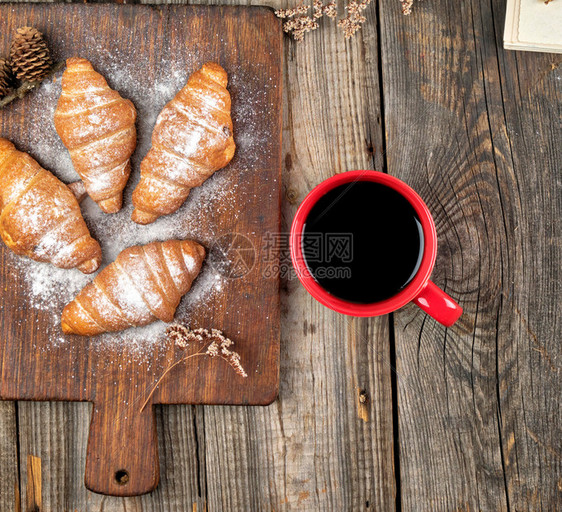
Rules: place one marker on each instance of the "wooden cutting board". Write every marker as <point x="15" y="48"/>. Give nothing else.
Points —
<point x="157" y="47"/>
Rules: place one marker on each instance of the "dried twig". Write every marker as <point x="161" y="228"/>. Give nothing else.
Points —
<point x="215" y="344"/>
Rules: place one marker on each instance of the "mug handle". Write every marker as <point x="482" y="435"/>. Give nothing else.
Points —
<point x="436" y="303"/>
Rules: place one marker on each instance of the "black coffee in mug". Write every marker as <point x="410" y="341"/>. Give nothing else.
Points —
<point x="363" y="242"/>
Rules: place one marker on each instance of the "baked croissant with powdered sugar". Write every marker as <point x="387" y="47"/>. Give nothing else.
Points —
<point x="39" y="215"/>
<point x="144" y="284"/>
<point x="192" y="139"/>
<point x="97" y="126"/>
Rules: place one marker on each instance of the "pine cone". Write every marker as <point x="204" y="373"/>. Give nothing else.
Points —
<point x="29" y="54"/>
<point x="6" y="77"/>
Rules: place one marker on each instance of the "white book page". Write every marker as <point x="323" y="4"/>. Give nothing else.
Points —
<point x="540" y="23"/>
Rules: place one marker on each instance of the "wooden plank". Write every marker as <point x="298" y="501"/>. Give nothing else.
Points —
<point x="34" y="478"/>
<point x="117" y="378"/>
<point x="530" y="350"/>
<point x="9" y="482"/>
<point x="475" y="131"/>
<point x="52" y="429"/>
<point x="458" y="434"/>
<point x="56" y="432"/>
<point x="318" y="448"/>
<point x="312" y="449"/>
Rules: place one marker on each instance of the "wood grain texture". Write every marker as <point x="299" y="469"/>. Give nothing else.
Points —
<point x="122" y="434"/>
<point x="312" y="450"/>
<point x="475" y="130"/>
<point x="450" y="457"/>
<point x="57" y="432"/>
<point x="9" y="482"/>
<point x="271" y="472"/>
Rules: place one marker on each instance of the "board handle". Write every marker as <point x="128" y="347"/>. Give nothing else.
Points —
<point x="122" y="453"/>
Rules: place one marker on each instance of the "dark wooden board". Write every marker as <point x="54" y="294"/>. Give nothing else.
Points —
<point x="247" y="43"/>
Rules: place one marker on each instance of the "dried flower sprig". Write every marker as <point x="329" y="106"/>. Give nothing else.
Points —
<point x="180" y="335"/>
<point x="407" y="6"/>
<point x="299" y="21"/>
<point x="213" y="343"/>
<point x="289" y="13"/>
<point x="354" y="19"/>
<point x="299" y="26"/>
<point x="329" y="9"/>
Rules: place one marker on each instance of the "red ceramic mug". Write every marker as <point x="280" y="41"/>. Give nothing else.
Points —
<point x="419" y="290"/>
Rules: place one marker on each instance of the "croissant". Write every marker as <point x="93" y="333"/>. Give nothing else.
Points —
<point x="191" y="140"/>
<point x="39" y="215"/>
<point x="98" y="127"/>
<point x="143" y="284"/>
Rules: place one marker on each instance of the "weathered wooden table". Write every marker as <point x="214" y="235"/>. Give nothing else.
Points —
<point x="392" y="412"/>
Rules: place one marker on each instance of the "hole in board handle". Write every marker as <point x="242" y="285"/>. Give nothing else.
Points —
<point x="121" y="476"/>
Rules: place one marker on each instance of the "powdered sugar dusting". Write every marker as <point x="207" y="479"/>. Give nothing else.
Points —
<point x="44" y="143"/>
<point x="48" y="288"/>
<point x="249" y="109"/>
<point x="189" y="262"/>
<point x="116" y="232"/>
